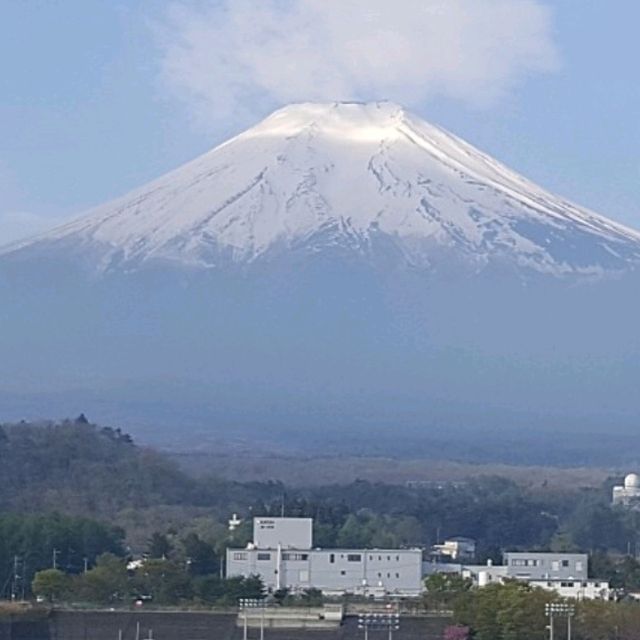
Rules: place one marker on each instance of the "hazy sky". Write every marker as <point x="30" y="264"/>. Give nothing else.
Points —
<point x="97" y="96"/>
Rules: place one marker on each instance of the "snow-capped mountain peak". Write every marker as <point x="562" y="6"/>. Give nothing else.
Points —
<point x="364" y="178"/>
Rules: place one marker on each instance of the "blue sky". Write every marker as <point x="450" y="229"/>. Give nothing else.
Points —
<point x="98" y="97"/>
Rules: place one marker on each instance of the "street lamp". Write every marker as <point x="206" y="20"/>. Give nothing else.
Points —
<point x="254" y="604"/>
<point x="379" y="622"/>
<point x="560" y="610"/>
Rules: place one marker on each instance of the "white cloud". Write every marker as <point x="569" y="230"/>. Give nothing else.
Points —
<point x="231" y="60"/>
<point x="17" y="225"/>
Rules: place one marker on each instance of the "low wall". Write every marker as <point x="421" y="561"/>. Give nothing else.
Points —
<point x="112" y="625"/>
<point x="21" y="628"/>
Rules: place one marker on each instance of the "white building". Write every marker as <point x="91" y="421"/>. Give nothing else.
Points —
<point x="564" y="573"/>
<point x="485" y="574"/>
<point x="458" y="549"/>
<point x="577" y="589"/>
<point x="286" y="533"/>
<point x="282" y="555"/>
<point x="628" y="495"/>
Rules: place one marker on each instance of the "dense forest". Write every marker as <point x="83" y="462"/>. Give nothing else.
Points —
<point x="78" y="490"/>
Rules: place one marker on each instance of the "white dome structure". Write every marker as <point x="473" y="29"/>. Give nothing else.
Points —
<point x="632" y="481"/>
<point x="628" y="494"/>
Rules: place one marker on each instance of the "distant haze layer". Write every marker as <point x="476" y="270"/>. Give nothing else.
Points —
<point x="344" y="269"/>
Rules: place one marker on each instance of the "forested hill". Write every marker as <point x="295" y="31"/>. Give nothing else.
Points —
<point x="79" y="468"/>
<point x="76" y="466"/>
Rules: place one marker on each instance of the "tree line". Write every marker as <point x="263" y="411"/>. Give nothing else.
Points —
<point x="516" y="611"/>
<point x="159" y="581"/>
<point x="98" y="474"/>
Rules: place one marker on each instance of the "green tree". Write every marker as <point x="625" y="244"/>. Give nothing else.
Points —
<point x="312" y="598"/>
<point x="160" y="546"/>
<point x="199" y="555"/>
<point x="164" y="580"/>
<point x="444" y="589"/>
<point x="509" y="611"/>
<point x="353" y="534"/>
<point x="215" y="590"/>
<point x="595" y="526"/>
<point x="106" y="583"/>
<point x="209" y="589"/>
<point x="51" y="584"/>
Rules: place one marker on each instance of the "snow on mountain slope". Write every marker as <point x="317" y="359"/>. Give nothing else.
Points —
<point x="357" y="176"/>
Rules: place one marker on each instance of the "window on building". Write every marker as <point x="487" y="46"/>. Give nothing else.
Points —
<point x="397" y="558"/>
<point x="264" y="556"/>
<point x="295" y="557"/>
<point x="332" y="558"/>
<point x="397" y="575"/>
<point x="555" y="565"/>
<point x="565" y="563"/>
<point x="579" y="565"/>
<point x="239" y="555"/>
<point x="524" y="562"/>
<point x="343" y="573"/>
<point x="354" y="557"/>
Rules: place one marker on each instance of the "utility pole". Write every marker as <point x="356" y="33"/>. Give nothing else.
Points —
<point x="16" y="578"/>
<point x="23" y="579"/>
<point x="55" y="554"/>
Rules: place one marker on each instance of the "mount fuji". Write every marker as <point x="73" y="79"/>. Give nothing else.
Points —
<point x="354" y="176"/>
<point x="346" y="266"/>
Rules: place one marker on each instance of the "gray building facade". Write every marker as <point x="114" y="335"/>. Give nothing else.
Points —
<point x="546" y="566"/>
<point x="295" y="533"/>
<point x="334" y="571"/>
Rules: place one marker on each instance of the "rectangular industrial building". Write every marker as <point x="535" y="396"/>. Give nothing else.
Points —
<point x="547" y="566"/>
<point x="269" y="533"/>
<point x="282" y="555"/>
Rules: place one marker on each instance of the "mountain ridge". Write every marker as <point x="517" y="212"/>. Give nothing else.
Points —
<point x="366" y="178"/>
<point x="359" y="287"/>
